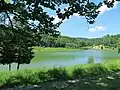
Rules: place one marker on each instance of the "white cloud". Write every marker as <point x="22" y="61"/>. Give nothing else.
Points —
<point x="57" y="20"/>
<point x="76" y="14"/>
<point x="96" y="28"/>
<point x="104" y="7"/>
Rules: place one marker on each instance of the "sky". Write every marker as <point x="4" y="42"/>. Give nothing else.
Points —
<point x="108" y="22"/>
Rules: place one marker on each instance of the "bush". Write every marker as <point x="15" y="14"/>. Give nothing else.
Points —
<point x="58" y="74"/>
<point x="97" y="70"/>
<point x="79" y="72"/>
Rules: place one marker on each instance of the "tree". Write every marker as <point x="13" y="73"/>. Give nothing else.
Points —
<point x="25" y="10"/>
<point x="24" y="41"/>
<point x="7" y="50"/>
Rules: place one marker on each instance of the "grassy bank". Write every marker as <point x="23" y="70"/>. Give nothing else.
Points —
<point x="39" y="76"/>
<point x="49" y="49"/>
<point x="47" y="53"/>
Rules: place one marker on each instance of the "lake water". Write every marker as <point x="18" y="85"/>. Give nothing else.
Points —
<point x="67" y="58"/>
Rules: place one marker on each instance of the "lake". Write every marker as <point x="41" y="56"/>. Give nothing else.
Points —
<point x="66" y="58"/>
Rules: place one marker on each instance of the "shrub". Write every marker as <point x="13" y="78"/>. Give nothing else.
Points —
<point x="58" y="74"/>
<point x="79" y="72"/>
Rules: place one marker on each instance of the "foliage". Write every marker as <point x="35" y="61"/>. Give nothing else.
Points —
<point x="7" y="48"/>
<point x="108" y="40"/>
<point x="17" y="37"/>
<point x="111" y="41"/>
<point x="16" y="46"/>
<point x="33" y="77"/>
<point x="58" y="74"/>
<point x="62" y="41"/>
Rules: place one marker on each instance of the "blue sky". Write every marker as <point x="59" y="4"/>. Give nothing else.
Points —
<point x="108" y="22"/>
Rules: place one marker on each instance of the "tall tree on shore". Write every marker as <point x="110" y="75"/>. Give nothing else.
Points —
<point x="7" y="47"/>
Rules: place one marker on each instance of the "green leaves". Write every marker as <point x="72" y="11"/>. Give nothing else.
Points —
<point x="7" y="1"/>
<point x="16" y="46"/>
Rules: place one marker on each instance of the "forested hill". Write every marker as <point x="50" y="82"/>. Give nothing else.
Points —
<point x="72" y="42"/>
<point x="108" y="40"/>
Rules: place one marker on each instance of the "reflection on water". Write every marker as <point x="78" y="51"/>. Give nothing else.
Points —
<point x="76" y="57"/>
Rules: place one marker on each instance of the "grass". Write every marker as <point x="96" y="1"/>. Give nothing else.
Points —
<point x="40" y="76"/>
<point x="49" y="49"/>
<point x="42" y="54"/>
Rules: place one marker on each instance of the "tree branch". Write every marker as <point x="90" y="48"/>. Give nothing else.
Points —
<point x="9" y="19"/>
<point x="4" y="9"/>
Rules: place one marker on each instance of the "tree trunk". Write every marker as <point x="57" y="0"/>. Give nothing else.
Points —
<point x="18" y="66"/>
<point x="10" y="67"/>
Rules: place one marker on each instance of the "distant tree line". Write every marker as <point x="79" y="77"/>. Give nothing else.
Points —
<point x="107" y="40"/>
<point x="62" y="41"/>
<point x="70" y="42"/>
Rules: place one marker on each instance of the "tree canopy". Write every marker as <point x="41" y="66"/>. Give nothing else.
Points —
<point x="25" y="10"/>
<point x="109" y="41"/>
